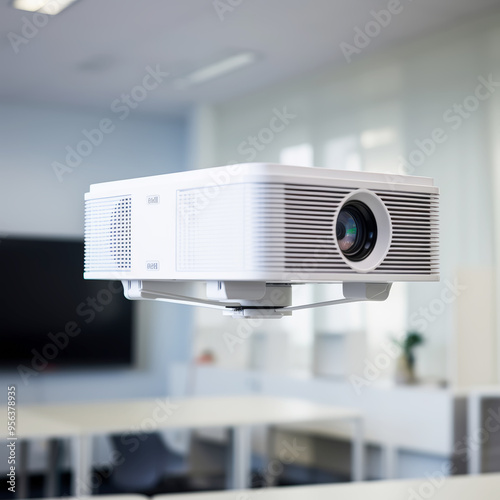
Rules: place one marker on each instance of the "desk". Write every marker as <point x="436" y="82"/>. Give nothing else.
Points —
<point x="485" y="487"/>
<point x="82" y="421"/>
<point x="418" y="419"/>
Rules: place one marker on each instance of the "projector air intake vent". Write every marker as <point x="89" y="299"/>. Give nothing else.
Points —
<point x="108" y="236"/>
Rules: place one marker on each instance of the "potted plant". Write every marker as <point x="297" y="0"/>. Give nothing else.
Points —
<point x="405" y="368"/>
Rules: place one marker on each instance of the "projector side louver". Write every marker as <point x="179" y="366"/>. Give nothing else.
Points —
<point x="108" y="234"/>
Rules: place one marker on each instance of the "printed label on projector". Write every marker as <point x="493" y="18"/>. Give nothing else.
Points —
<point x="153" y="265"/>
<point x="154" y="199"/>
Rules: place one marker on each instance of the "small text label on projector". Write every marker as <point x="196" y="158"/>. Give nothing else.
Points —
<point x="153" y="265"/>
<point x="153" y="199"/>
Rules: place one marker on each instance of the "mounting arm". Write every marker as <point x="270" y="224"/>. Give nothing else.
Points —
<point x="246" y="299"/>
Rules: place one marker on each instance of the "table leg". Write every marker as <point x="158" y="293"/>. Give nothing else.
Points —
<point x="270" y="479"/>
<point x="390" y="456"/>
<point x="239" y="466"/>
<point x="474" y="465"/>
<point x="358" y="451"/>
<point x="51" y="487"/>
<point x="22" y="490"/>
<point x="82" y="465"/>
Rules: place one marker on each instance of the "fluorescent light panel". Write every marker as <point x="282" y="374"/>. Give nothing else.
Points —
<point x="51" y="7"/>
<point x="219" y="68"/>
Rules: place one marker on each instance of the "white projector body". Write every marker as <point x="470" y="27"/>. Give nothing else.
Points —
<point x="244" y="228"/>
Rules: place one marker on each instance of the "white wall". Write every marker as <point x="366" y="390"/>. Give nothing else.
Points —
<point x="34" y="201"/>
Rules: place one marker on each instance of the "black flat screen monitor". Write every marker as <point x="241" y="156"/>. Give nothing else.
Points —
<point x="51" y="318"/>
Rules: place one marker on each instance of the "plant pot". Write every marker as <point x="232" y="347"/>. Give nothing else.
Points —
<point x="405" y="372"/>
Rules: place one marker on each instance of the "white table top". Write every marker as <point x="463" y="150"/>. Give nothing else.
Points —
<point x="33" y="424"/>
<point x="151" y="414"/>
<point x="485" y="487"/>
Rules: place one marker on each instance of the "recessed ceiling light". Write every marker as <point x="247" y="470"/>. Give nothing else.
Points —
<point x="51" y="7"/>
<point x="217" y="69"/>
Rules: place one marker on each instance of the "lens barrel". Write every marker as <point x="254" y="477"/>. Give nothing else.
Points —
<point x="356" y="231"/>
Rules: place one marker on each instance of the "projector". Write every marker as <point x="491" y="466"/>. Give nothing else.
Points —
<point x="248" y="232"/>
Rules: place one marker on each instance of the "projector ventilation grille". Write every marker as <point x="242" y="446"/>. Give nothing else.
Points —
<point x="108" y="234"/>
<point x="415" y="233"/>
<point x="296" y="232"/>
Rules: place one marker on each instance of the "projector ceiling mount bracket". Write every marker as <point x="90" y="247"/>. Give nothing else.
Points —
<point x="247" y="299"/>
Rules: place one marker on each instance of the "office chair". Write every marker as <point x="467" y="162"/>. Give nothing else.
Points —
<point x="144" y="467"/>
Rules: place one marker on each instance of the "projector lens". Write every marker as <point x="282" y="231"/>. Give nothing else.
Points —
<point x="356" y="231"/>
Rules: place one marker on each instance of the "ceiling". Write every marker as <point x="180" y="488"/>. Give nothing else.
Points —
<point x="98" y="49"/>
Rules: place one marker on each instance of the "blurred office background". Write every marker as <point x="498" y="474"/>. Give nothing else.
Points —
<point x="402" y="101"/>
